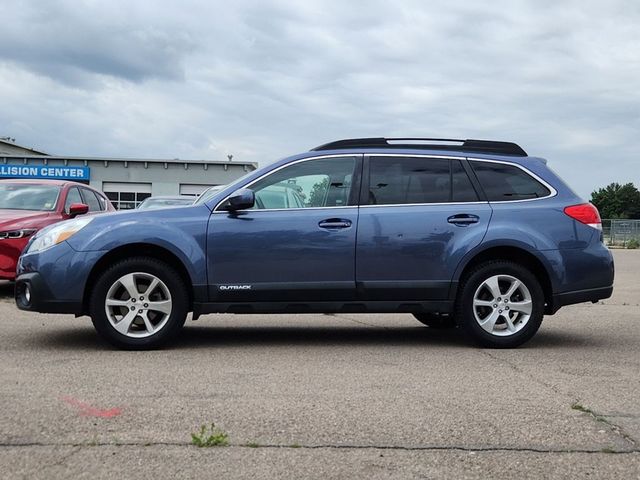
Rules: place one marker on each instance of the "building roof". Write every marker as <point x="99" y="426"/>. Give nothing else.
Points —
<point x="8" y="146"/>
<point x="253" y="165"/>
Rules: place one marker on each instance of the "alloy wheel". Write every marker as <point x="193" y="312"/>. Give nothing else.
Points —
<point x="502" y="305"/>
<point x="138" y="305"/>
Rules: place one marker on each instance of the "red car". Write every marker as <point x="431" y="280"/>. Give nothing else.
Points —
<point x="26" y="206"/>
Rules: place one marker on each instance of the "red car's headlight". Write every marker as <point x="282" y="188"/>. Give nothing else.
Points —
<point x="24" y="233"/>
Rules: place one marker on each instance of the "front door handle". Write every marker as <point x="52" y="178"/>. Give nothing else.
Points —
<point x="463" y="219"/>
<point x="334" y="223"/>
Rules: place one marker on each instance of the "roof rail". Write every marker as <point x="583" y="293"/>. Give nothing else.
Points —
<point x="476" y="146"/>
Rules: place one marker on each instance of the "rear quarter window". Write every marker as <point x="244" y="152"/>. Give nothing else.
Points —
<point x="502" y="182"/>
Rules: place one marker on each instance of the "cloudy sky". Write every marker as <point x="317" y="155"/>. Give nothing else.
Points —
<point x="265" y="79"/>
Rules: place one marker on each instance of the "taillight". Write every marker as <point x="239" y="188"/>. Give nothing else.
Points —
<point x="585" y="213"/>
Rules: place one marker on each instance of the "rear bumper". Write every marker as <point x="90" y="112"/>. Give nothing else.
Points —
<point x="33" y="295"/>
<point x="579" y="296"/>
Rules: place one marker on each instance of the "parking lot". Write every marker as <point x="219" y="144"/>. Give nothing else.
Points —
<point x="326" y="396"/>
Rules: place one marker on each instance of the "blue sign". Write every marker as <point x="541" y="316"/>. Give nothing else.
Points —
<point x="45" y="171"/>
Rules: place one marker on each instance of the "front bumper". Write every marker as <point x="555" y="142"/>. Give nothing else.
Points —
<point x="33" y="294"/>
<point x="10" y="250"/>
<point x="56" y="279"/>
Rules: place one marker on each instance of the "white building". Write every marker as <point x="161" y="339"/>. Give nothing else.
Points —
<point x="126" y="181"/>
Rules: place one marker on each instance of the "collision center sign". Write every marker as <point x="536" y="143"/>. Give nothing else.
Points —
<point x="45" y="171"/>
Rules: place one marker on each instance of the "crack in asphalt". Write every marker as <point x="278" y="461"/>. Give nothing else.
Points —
<point x="554" y="388"/>
<point x="62" y="460"/>
<point x="459" y="448"/>
<point x="613" y="427"/>
<point x="603" y="419"/>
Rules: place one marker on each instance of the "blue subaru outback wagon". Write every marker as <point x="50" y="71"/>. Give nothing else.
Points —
<point x="474" y="234"/>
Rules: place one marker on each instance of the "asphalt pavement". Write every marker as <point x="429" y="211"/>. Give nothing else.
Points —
<point x="326" y="396"/>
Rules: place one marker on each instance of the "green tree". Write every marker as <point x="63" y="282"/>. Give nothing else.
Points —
<point x="318" y="193"/>
<point x="617" y="201"/>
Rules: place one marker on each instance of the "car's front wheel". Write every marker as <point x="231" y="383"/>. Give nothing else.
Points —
<point x="501" y="304"/>
<point x="139" y="303"/>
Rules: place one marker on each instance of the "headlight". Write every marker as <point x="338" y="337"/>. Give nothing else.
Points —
<point x="56" y="234"/>
<point x="24" y="233"/>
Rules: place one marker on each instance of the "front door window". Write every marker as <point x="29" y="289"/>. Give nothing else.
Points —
<point x="325" y="182"/>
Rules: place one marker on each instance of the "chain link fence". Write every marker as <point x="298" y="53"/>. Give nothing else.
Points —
<point x="620" y="232"/>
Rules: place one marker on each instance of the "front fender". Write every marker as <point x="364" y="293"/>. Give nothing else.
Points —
<point x="182" y="231"/>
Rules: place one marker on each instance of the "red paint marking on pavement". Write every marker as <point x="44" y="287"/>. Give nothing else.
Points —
<point x="90" y="411"/>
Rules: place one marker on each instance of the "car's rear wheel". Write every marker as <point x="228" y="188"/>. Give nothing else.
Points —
<point x="436" y="320"/>
<point x="501" y="304"/>
<point x="139" y="303"/>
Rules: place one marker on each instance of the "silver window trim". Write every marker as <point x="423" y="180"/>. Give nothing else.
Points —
<point x="339" y="155"/>
<point x="478" y="202"/>
<point x="553" y="191"/>
<point x="302" y="209"/>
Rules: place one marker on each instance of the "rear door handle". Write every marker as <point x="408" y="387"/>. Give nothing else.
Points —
<point x="462" y="219"/>
<point x="334" y="223"/>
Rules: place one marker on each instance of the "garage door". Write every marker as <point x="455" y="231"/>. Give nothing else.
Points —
<point x="126" y="196"/>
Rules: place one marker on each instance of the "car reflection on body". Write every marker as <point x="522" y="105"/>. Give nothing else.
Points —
<point x="153" y="203"/>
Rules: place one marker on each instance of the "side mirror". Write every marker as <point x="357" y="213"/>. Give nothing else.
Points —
<point x="76" y="209"/>
<point x="241" y="200"/>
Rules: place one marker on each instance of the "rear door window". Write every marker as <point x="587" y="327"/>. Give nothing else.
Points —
<point x="502" y="182"/>
<point x="415" y="180"/>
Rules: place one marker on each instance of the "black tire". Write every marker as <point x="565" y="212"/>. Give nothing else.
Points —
<point x="436" y="320"/>
<point x="172" y="325"/>
<point x="466" y="314"/>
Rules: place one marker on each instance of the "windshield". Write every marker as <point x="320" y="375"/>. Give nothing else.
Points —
<point x="20" y="196"/>
<point x="208" y="193"/>
<point x="154" y="203"/>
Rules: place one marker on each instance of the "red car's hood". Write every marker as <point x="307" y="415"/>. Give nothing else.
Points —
<point x="23" y="218"/>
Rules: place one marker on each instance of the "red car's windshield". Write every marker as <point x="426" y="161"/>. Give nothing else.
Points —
<point x="20" y="196"/>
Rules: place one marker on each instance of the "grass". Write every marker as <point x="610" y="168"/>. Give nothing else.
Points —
<point x="209" y="437"/>
<point x="599" y="418"/>
<point x="581" y="408"/>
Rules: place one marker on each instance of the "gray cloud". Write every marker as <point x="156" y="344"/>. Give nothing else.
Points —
<point x="64" y="41"/>
<point x="265" y="79"/>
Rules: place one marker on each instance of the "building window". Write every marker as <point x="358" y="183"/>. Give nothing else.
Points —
<point x="126" y="196"/>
